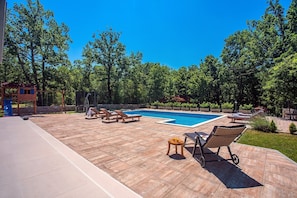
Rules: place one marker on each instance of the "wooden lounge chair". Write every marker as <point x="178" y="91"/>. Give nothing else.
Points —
<point x="290" y="114"/>
<point x="94" y="112"/>
<point x="220" y="136"/>
<point x="109" y="115"/>
<point x="125" y="117"/>
<point x="243" y="116"/>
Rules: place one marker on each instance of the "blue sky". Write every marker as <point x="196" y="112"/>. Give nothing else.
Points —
<point x="170" y="32"/>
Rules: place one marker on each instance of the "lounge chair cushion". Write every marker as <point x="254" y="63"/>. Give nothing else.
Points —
<point x="219" y="136"/>
<point x="124" y="116"/>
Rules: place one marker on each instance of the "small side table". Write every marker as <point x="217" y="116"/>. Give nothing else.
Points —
<point x="176" y="141"/>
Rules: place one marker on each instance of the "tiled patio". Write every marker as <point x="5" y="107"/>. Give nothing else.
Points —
<point x="135" y="154"/>
<point x="35" y="164"/>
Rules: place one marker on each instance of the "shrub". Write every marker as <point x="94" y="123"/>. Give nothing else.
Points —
<point x="161" y="104"/>
<point x="204" y="105"/>
<point x="260" y="124"/>
<point x="177" y="104"/>
<point x="292" y="128"/>
<point x="169" y="104"/>
<point x="246" y="107"/>
<point x="156" y="103"/>
<point x="193" y="105"/>
<point x="214" y="106"/>
<point x="185" y="105"/>
<point x="272" y="127"/>
<point x="227" y="105"/>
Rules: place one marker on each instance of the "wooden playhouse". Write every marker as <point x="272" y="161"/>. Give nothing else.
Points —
<point x="18" y="94"/>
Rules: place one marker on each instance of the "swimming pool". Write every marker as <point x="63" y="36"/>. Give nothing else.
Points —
<point x="177" y="118"/>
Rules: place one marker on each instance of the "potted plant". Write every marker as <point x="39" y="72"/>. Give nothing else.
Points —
<point x="215" y="107"/>
<point x="169" y="105"/>
<point x="193" y="107"/>
<point x="227" y="107"/>
<point x="176" y="106"/>
<point x="155" y="105"/>
<point x="184" y="106"/>
<point x="246" y="108"/>
<point x="162" y="105"/>
<point x="204" y="106"/>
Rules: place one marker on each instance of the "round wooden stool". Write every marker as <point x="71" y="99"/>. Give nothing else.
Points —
<point x="176" y="141"/>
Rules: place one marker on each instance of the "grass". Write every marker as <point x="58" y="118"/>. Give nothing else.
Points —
<point x="285" y="143"/>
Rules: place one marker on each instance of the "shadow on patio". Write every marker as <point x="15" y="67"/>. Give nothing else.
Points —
<point x="228" y="173"/>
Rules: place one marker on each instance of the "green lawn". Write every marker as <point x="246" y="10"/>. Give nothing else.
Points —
<point x="285" y="143"/>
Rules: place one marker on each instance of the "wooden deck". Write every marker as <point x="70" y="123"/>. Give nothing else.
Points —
<point x="134" y="153"/>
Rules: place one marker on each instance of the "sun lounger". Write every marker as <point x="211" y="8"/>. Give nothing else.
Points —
<point x="109" y="115"/>
<point x="290" y="114"/>
<point x="125" y="117"/>
<point x="243" y="116"/>
<point x="94" y="112"/>
<point x="220" y="136"/>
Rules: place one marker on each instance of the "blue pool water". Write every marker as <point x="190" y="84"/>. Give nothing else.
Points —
<point x="177" y="118"/>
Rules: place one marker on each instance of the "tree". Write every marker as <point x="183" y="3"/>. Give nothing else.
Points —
<point x="182" y="82"/>
<point x="281" y="85"/>
<point x="210" y="67"/>
<point x="37" y="42"/>
<point x="242" y="63"/>
<point x="198" y="85"/>
<point x="157" y="81"/>
<point x="133" y="80"/>
<point x="64" y="83"/>
<point x="109" y="52"/>
<point x="269" y="35"/>
<point x="99" y="84"/>
<point x="291" y="30"/>
<point x="87" y="64"/>
<point x="291" y="17"/>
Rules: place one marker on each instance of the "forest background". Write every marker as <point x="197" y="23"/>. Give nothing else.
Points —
<point x="257" y="65"/>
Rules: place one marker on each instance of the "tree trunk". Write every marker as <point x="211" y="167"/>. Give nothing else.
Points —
<point x="43" y="82"/>
<point x="23" y="68"/>
<point x="35" y="74"/>
<point x="109" y="84"/>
